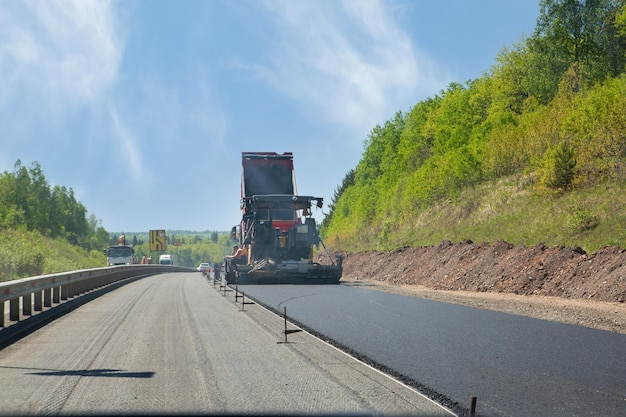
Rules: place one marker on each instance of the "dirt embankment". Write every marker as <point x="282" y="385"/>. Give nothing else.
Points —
<point x="553" y="283"/>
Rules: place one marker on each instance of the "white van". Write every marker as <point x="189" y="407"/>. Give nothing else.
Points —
<point x="167" y="259"/>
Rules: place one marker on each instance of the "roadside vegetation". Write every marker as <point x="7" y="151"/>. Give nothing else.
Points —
<point x="533" y="151"/>
<point x="44" y="230"/>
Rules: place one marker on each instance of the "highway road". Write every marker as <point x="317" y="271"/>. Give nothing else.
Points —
<point x="173" y="343"/>
<point x="515" y="366"/>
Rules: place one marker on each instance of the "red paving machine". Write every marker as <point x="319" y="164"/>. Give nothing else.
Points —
<point x="276" y="231"/>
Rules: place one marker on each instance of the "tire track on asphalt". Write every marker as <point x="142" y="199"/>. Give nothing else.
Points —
<point x="93" y="345"/>
<point x="205" y="371"/>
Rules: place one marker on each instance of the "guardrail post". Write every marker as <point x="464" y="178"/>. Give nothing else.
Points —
<point x="27" y="305"/>
<point x="65" y="293"/>
<point x="79" y="288"/>
<point x="38" y="300"/>
<point x="14" y="309"/>
<point x="47" y="297"/>
<point x="74" y="291"/>
<point x="3" y="317"/>
<point x="86" y="286"/>
<point x="71" y="290"/>
<point x="56" y="294"/>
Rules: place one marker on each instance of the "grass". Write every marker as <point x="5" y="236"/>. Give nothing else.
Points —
<point x="26" y="253"/>
<point x="505" y="210"/>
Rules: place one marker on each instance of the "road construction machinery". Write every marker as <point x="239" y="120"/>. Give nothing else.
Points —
<point x="277" y="230"/>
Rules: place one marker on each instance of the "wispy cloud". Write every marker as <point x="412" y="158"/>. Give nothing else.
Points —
<point x="351" y="60"/>
<point x="57" y="54"/>
<point x="128" y="151"/>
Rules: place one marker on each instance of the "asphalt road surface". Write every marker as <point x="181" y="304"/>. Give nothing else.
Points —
<point x="515" y="366"/>
<point x="173" y="343"/>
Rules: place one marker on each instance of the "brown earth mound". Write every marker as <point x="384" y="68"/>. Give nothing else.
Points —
<point x="555" y="283"/>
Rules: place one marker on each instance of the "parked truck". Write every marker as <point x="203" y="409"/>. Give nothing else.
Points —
<point x="277" y="229"/>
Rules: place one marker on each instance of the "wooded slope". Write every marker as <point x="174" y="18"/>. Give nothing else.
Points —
<point x="544" y="131"/>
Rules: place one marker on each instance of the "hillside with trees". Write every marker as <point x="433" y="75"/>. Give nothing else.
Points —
<point x="533" y="151"/>
<point x="44" y="228"/>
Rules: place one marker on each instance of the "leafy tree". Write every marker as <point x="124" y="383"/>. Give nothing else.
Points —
<point x="596" y="123"/>
<point x="449" y="125"/>
<point x="575" y="31"/>
<point x="415" y="147"/>
<point x="507" y="82"/>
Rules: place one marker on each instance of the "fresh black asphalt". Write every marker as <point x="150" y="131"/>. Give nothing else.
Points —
<point x="514" y="365"/>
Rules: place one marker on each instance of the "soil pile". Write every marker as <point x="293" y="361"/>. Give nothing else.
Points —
<point x="499" y="267"/>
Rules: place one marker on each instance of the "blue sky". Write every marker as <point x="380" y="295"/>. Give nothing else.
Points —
<point x="144" y="107"/>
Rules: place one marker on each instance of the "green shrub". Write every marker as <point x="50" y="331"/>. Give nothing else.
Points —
<point x="580" y="218"/>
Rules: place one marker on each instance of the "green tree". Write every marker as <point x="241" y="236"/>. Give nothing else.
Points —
<point x="560" y="166"/>
<point x="11" y="215"/>
<point x="584" y="32"/>
<point x="620" y="22"/>
<point x="415" y="147"/>
<point x="39" y="201"/>
<point x="27" y="200"/>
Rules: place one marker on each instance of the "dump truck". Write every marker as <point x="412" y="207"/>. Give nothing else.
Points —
<point x="277" y="229"/>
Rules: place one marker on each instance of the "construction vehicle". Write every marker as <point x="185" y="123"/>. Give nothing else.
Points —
<point x="276" y="229"/>
<point x="120" y="255"/>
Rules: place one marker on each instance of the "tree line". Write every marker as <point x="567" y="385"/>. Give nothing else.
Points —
<point x="551" y="112"/>
<point x="28" y="201"/>
<point x="192" y="248"/>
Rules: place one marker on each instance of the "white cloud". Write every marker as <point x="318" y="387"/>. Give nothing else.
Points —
<point x="57" y="53"/>
<point x="351" y="61"/>
<point x="128" y="152"/>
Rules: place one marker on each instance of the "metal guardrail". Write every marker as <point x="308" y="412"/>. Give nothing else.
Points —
<point x="28" y="296"/>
